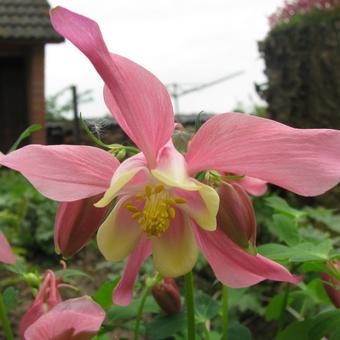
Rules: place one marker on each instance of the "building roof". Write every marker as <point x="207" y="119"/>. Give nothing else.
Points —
<point x="26" y="20"/>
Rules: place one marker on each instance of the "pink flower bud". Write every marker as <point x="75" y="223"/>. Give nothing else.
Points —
<point x="47" y="297"/>
<point x="236" y="216"/>
<point x="75" y="224"/>
<point x="332" y="286"/>
<point x="167" y="295"/>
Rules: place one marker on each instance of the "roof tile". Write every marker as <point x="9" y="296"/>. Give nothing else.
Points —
<point x="26" y="20"/>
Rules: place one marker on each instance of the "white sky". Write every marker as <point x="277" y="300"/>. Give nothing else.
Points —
<point x="184" y="41"/>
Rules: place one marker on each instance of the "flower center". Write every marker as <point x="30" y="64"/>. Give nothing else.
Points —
<point x="154" y="218"/>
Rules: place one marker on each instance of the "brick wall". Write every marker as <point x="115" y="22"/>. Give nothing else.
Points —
<point x="36" y="95"/>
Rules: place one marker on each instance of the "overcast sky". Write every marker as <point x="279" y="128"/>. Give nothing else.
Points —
<point x="182" y="41"/>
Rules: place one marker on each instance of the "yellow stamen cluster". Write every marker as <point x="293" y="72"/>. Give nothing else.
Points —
<point x="154" y="217"/>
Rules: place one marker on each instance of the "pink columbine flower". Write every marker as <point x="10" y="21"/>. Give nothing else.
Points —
<point x="47" y="297"/>
<point x="161" y="209"/>
<point x="73" y="319"/>
<point x="6" y="253"/>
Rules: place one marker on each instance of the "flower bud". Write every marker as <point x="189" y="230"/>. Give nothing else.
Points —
<point x="47" y="297"/>
<point x="236" y="216"/>
<point x="167" y="295"/>
<point x="332" y="285"/>
<point x="75" y="224"/>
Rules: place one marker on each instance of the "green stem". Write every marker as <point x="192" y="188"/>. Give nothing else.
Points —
<point x="189" y="300"/>
<point x="4" y="320"/>
<point x="150" y="283"/>
<point x="284" y="306"/>
<point x="225" y="312"/>
<point x="206" y="331"/>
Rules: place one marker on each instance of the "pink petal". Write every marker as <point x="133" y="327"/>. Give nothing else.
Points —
<point x="64" y="172"/>
<point x="305" y="161"/>
<point x="233" y="266"/>
<point x="137" y="99"/>
<point x="6" y="252"/>
<point x="76" y="222"/>
<point x="122" y="294"/>
<point x="78" y="318"/>
<point x="253" y="186"/>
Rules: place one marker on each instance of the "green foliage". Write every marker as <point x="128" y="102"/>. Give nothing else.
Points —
<point x="103" y="295"/>
<point x="239" y="332"/>
<point x="206" y="307"/>
<point x="10" y="297"/>
<point x="313" y="17"/>
<point x="25" y="215"/>
<point x="164" y="326"/>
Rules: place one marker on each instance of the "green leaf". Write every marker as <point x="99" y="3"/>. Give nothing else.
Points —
<point x="70" y="273"/>
<point x="238" y="332"/>
<point x="281" y="206"/>
<point x="103" y="295"/>
<point x="285" y="228"/>
<point x="325" y="324"/>
<point x="318" y="267"/>
<point x="24" y="135"/>
<point x="299" y="253"/>
<point x="205" y="306"/>
<point x="235" y="294"/>
<point x="166" y="325"/>
<point x="116" y="312"/>
<point x="273" y="309"/>
<point x="274" y="251"/>
<point x="10" y="296"/>
<point x="296" y="330"/>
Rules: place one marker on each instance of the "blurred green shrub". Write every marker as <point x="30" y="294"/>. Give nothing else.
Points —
<point x="26" y="216"/>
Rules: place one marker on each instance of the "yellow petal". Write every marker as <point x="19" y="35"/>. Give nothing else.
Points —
<point x="175" y="251"/>
<point x="117" y="183"/>
<point x="206" y="218"/>
<point x="119" y="234"/>
<point x="182" y="182"/>
<point x="201" y="206"/>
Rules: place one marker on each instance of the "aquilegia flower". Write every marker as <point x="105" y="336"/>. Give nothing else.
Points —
<point x="48" y="317"/>
<point x="161" y="209"/>
<point x="72" y="319"/>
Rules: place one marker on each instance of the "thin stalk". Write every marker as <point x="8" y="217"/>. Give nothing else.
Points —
<point x="284" y="306"/>
<point x="4" y="320"/>
<point x="225" y="312"/>
<point x="190" y="307"/>
<point x="149" y="285"/>
<point x="140" y="312"/>
<point x="206" y="331"/>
